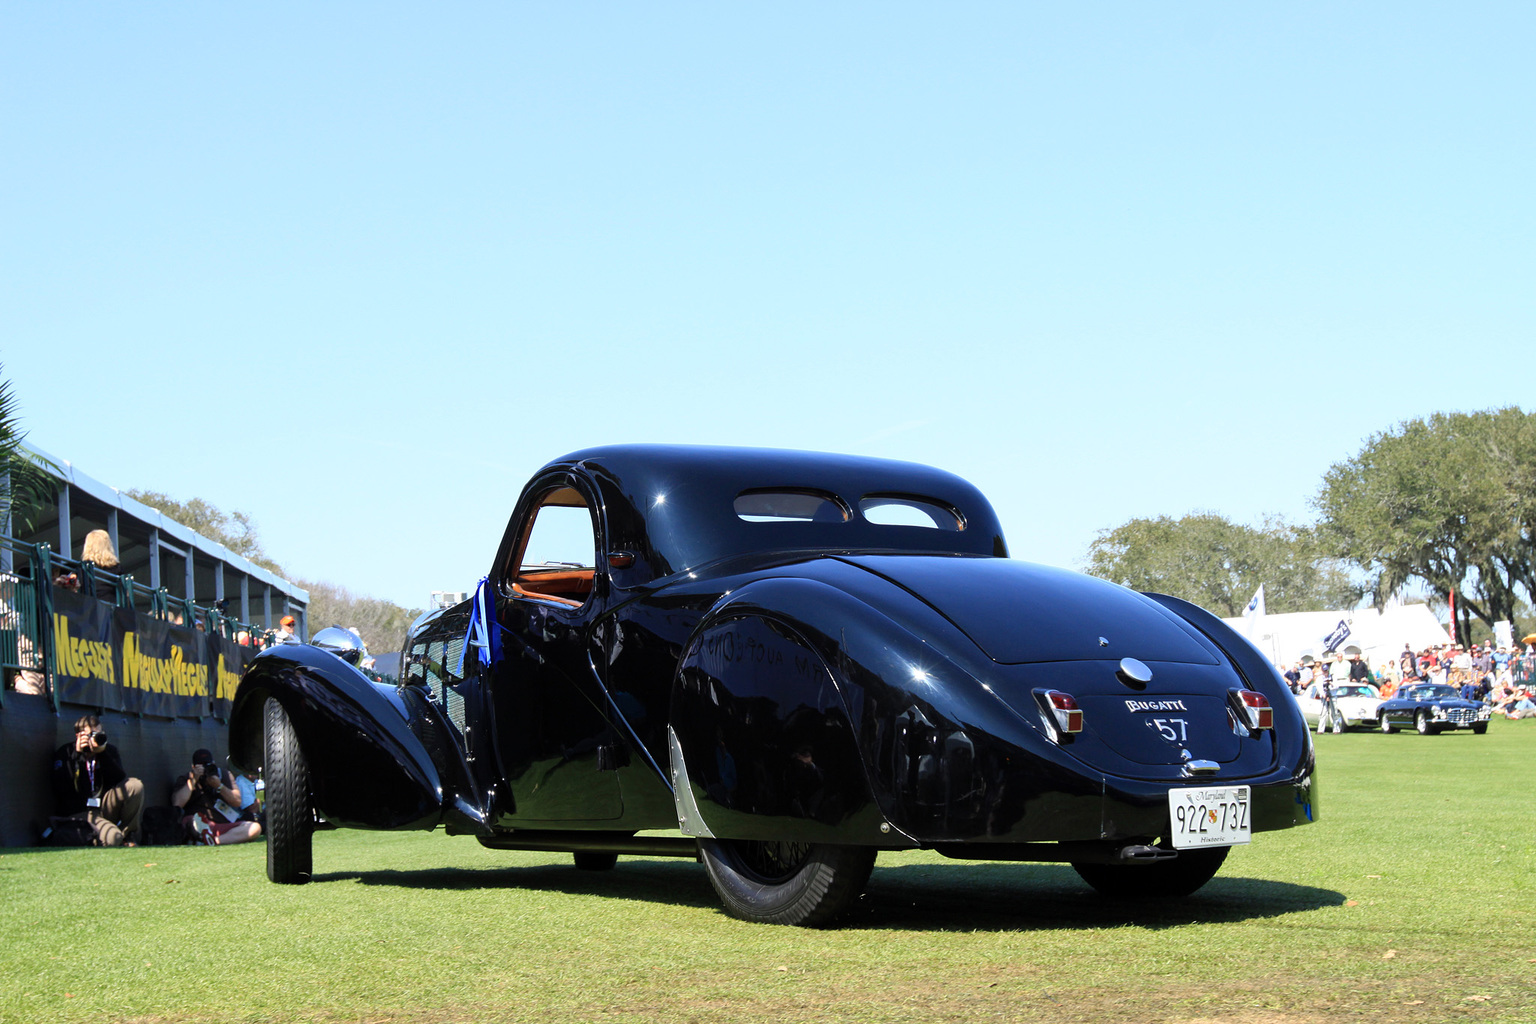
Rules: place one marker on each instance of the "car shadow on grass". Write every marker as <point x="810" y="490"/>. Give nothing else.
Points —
<point x="964" y="896"/>
<point x="655" y="881"/>
<point x="1048" y="897"/>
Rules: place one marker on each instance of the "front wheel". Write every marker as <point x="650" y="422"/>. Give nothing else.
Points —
<point x="807" y="884"/>
<point x="1386" y="726"/>
<point x="1338" y="722"/>
<point x="1422" y="724"/>
<point x="290" y="819"/>
<point x="1479" y="727"/>
<point x="1165" y="879"/>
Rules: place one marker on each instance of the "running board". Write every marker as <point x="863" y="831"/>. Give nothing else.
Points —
<point x="593" y="842"/>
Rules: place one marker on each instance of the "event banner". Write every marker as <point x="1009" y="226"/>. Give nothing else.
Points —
<point x="122" y="659"/>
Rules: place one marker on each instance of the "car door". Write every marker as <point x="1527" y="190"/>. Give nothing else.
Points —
<point x="556" y="746"/>
<point x="444" y="696"/>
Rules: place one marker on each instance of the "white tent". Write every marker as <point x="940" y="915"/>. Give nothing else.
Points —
<point x="1380" y="636"/>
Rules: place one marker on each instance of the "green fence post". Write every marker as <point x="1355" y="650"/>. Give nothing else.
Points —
<point x="43" y="580"/>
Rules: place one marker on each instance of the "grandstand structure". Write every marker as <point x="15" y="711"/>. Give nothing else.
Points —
<point x="179" y="607"/>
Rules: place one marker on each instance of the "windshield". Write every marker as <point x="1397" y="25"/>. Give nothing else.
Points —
<point x="1433" y="693"/>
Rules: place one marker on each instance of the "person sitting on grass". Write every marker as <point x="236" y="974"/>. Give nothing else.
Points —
<point x="89" y="783"/>
<point x="1519" y="705"/>
<point x="212" y="800"/>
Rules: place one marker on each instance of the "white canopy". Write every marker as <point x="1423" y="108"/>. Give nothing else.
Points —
<point x="1380" y="636"/>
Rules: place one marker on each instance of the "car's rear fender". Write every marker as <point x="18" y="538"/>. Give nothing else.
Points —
<point x="366" y="768"/>
<point x="761" y="745"/>
<point x="908" y="739"/>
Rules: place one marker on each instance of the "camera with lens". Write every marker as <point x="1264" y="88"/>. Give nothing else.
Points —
<point x="209" y="770"/>
<point x="98" y="737"/>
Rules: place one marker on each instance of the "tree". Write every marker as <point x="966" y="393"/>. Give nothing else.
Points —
<point x="381" y="624"/>
<point x="24" y="482"/>
<point x="234" y="530"/>
<point x="1449" y="500"/>
<point x="1213" y="562"/>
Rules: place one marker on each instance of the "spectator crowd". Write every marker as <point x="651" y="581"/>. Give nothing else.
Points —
<point x="1503" y="677"/>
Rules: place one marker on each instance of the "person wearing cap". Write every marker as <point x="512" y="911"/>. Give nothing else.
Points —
<point x="215" y="805"/>
<point x="284" y="634"/>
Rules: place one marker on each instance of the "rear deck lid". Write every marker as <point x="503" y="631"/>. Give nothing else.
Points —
<point x="1021" y="613"/>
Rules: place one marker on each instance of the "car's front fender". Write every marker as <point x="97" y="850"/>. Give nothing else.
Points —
<point x="366" y="768"/>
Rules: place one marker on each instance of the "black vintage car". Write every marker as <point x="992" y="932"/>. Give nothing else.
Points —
<point x="783" y="663"/>
<point x="1432" y="708"/>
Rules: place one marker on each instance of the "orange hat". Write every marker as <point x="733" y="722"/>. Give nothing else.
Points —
<point x="288" y="620"/>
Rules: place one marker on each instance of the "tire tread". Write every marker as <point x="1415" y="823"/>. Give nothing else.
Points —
<point x="814" y="897"/>
<point x="290" y="817"/>
<point x="1169" y="879"/>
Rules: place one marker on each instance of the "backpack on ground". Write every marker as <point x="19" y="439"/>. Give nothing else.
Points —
<point x="69" y="832"/>
<point x="161" y="826"/>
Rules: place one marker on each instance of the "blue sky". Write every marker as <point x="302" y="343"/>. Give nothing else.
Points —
<point x="359" y="270"/>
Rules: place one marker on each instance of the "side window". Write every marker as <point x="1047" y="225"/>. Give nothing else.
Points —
<point x="557" y="556"/>
<point x="908" y="510"/>
<point x="789" y="506"/>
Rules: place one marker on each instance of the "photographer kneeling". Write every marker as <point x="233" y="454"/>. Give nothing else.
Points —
<point x="217" y="812"/>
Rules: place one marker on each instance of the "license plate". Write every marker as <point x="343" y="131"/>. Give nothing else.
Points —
<point x="1214" y="816"/>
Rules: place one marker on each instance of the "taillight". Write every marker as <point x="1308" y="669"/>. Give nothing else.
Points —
<point x="1256" y="707"/>
<point x="1069" y="717"/>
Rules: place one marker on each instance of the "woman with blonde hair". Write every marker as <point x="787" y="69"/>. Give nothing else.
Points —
<point x="98" y="551"/>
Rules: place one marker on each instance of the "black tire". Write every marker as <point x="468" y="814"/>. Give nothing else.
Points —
<point x="1479" y="727"/>
<point x="290" y="818"/>
<point x="1421" y="723"/>
<point x="587" y="860"/>
<point x="1387" y="727"/>
<point x="807" y="884"/>
<point x="1168" y="879"/>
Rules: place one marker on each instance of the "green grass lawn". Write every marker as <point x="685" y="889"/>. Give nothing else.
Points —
<point x="1411" y="900"/>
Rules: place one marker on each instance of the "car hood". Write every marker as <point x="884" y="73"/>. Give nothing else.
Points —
<point x="1021" y="613"/>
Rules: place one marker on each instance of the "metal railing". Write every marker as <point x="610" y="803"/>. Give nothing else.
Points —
<point x="26" y="610"/>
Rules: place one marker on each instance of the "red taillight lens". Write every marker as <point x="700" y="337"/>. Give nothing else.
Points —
<point x="1260" y="714"/>
<point x="1069" y="717"/>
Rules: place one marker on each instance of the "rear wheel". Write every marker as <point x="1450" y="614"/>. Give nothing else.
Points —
<point x="290" y="819"/>
<point x="587" y="860"/>
<point x="1166" y="879"/>
<point x="807" y="884"/>
<point x="1422" y="724"/>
